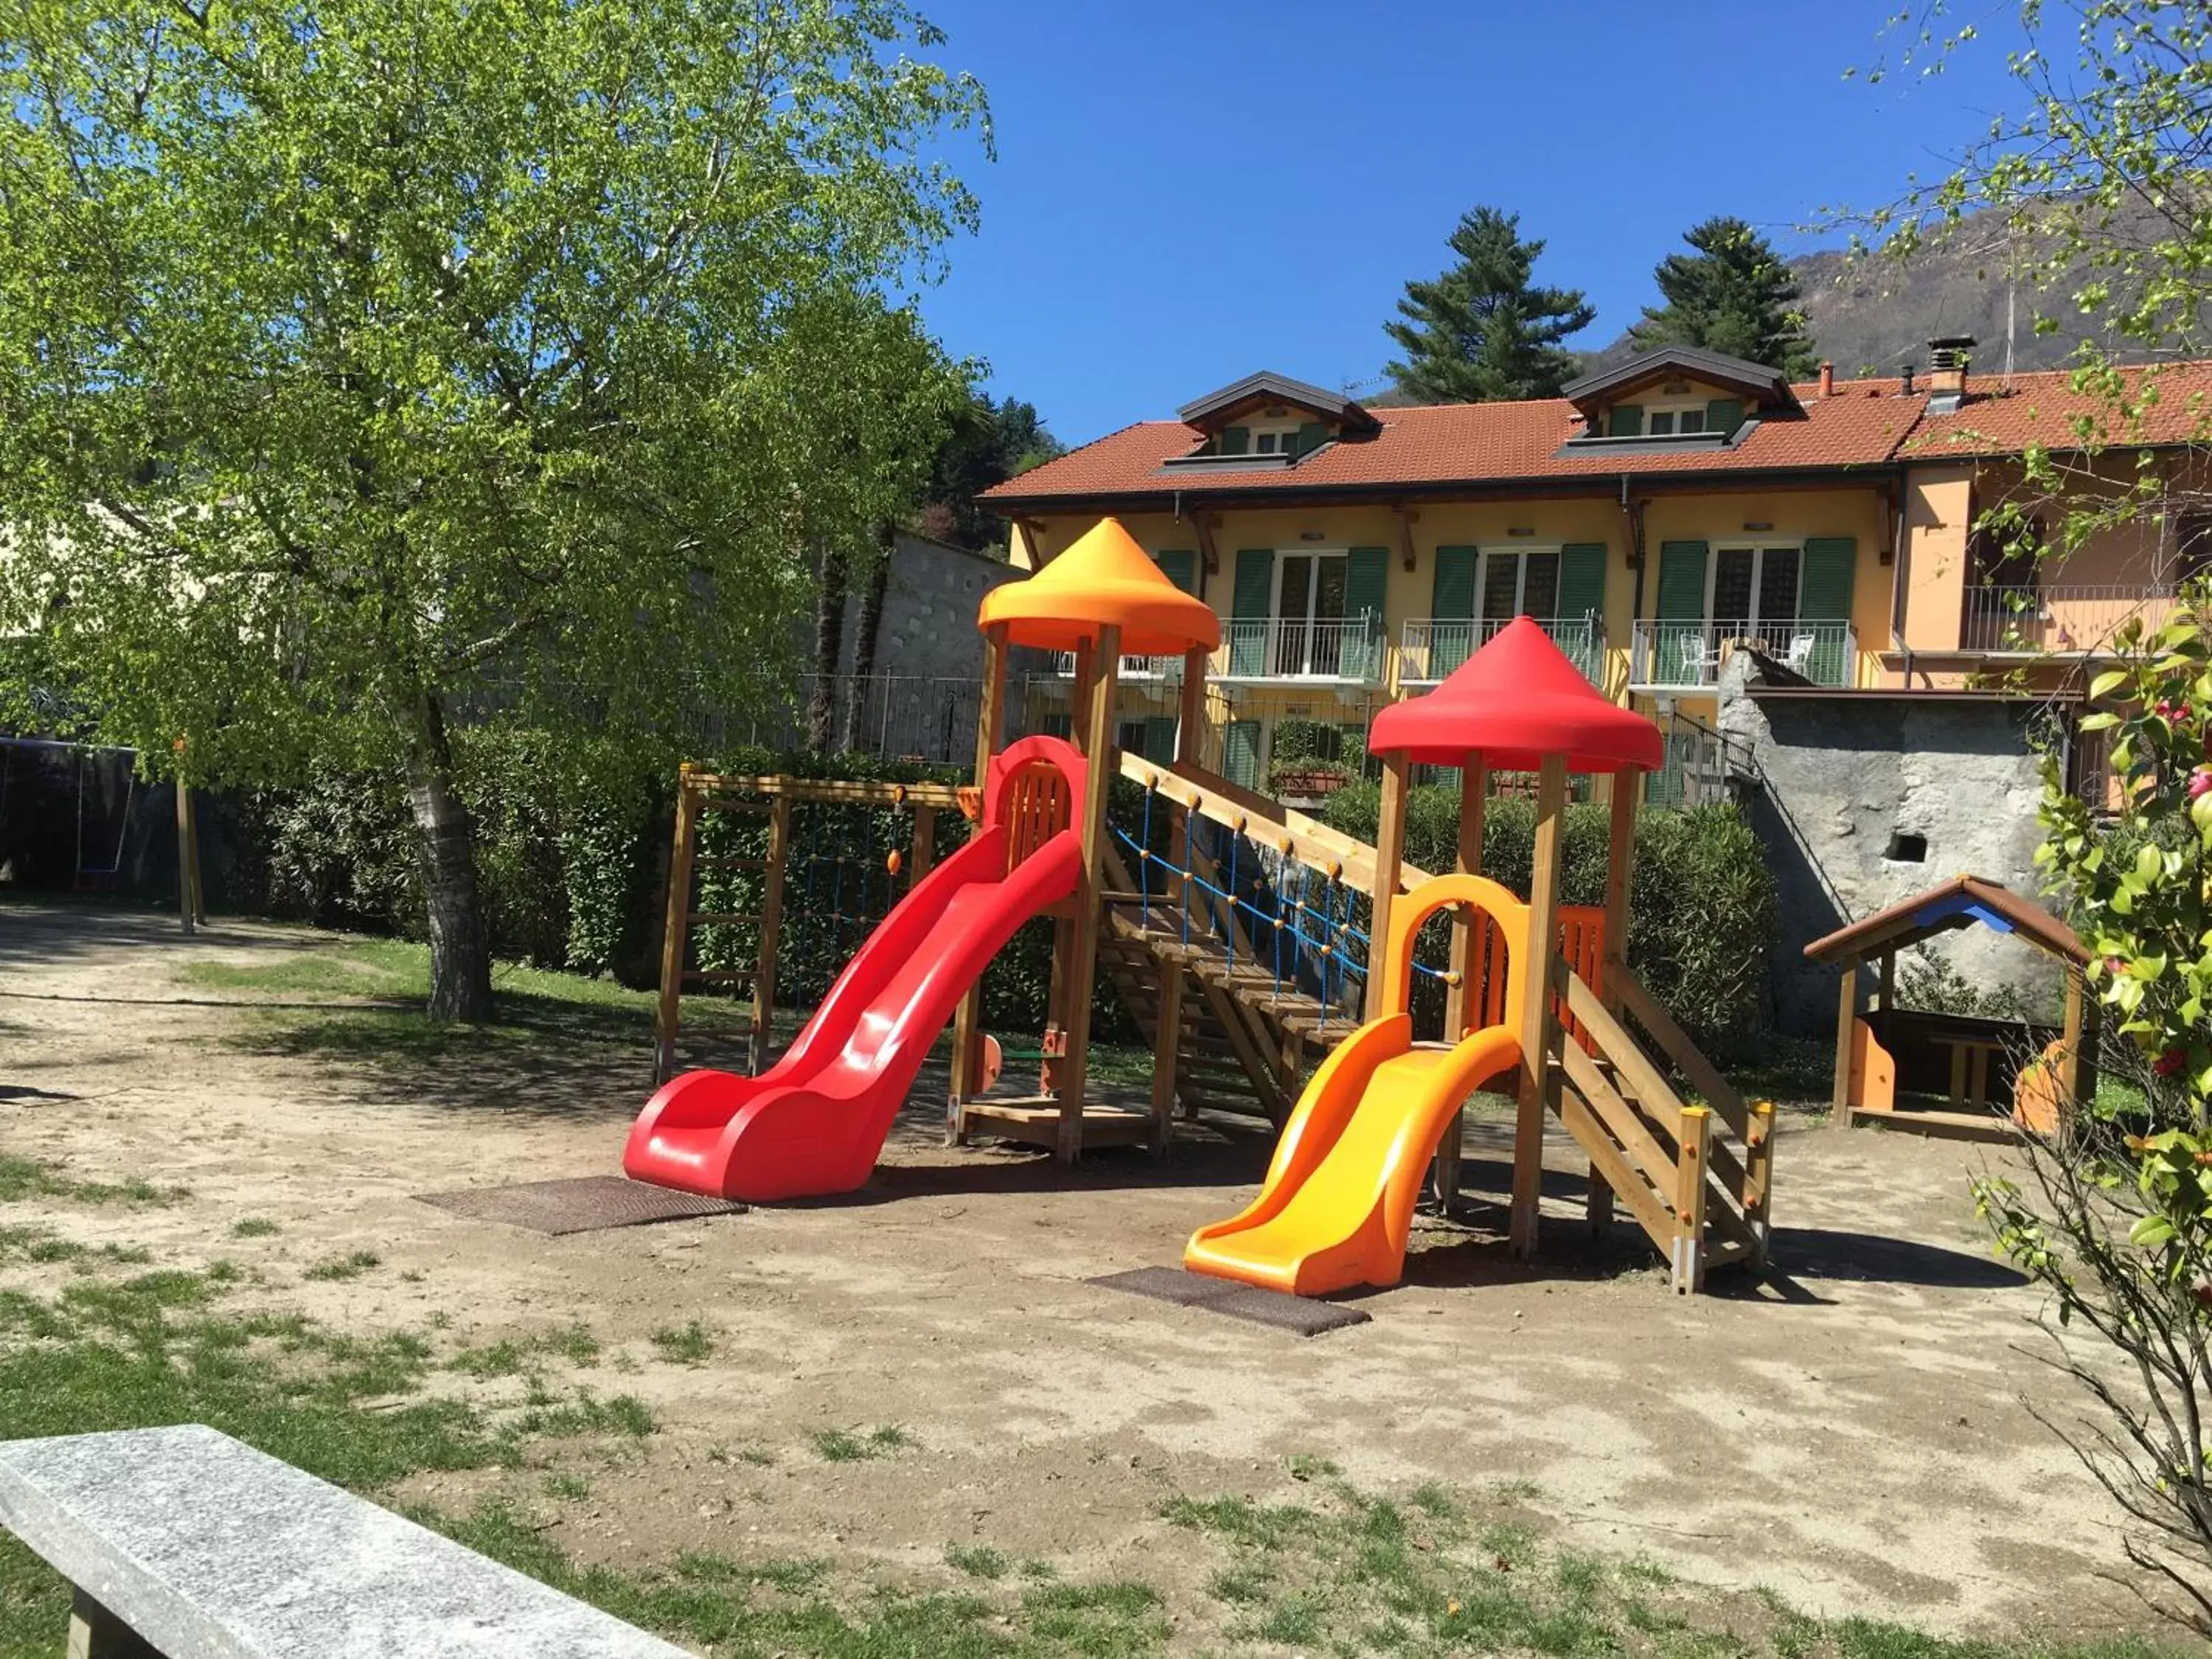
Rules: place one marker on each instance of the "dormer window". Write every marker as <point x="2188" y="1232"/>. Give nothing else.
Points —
<point x="1675" y="395"/>
<point x="1267" y="421"/>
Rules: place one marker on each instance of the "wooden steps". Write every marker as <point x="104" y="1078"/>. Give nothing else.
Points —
<point x="1987" y="1129"/>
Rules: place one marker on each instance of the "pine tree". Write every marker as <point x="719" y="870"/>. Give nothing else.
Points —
<point x="1481" y="332"/>
<point x="1733" y="296"/>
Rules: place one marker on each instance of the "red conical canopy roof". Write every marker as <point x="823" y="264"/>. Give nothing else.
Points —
<point x="1512" y="703"/>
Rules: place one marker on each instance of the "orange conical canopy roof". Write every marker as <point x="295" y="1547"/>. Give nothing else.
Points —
<point x="1512" y="703"/>
<point x="1103" y="578"/>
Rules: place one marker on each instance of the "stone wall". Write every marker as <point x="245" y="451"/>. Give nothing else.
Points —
<point x="1865" y="798"/>
<point x="929" y="610"/>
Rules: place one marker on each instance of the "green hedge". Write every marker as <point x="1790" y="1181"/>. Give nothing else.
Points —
<point x="1702" y="923"/>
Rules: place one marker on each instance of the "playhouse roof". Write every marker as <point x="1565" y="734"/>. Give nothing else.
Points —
<point x="1959" y="902"/>
<point x="1512" y="703"/>
<point x="1104" y="579"/>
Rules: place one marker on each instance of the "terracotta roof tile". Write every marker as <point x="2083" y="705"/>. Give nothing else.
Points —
<point x="1861" y="424"/>
<point x="2043" y="409"/>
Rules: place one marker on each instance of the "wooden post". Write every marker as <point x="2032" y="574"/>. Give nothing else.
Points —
<point x="923" y="852"/>
<point x="1389" y="853"/>
<point x="1758" y="1177"/>
<point x="192" y="911"/>
<point x="1627" y="791"/>
<point x="1056" y="1010"/>
<point x="1190" y="716"/>
<point x="1847" y="1014"/>
<point x="968" y="1022"/>
<point x="96" y="1634"/>
<point x="771" y="926"/>
<point x="1081" y="964"/>
<point x="1539" y="1027"/>
<point x="1689" y="1262"/>
<point x="1167" y="1047"/>
<point x="675" y="924"/>
<point x="1461" y="995"/>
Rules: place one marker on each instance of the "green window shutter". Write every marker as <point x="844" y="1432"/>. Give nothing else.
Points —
<point x="1159" y="737"/>
<point x="1453" y="599"/>
<point x="1682" y="581"/>
<point x="1235" y="439"/>
<point x="1582" y="580"/>
<point x="1366" y="575"/>
<point x="1312" y="435"/>
<point x="1625" y="421"/>
<point x="1824" y="576"/>
<point x="1253" y="596"/>
<point x="1723" y="415"/>
<point x="1180" y="565"/>
<point x="1240" y="753"/>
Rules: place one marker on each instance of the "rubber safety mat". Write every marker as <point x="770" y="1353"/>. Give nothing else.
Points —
<point x="1300" y="1313"/>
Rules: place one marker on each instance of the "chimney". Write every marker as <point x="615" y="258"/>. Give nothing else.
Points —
<point x="1947" y="364"/>
<point x="1827" y="378"/>
<point x="1905" y="387"/>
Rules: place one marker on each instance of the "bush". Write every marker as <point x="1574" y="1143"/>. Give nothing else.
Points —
<point x="1701" y="924"/>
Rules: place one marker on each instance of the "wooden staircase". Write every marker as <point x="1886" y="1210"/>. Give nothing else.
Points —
<point x="1695" y="1178"/>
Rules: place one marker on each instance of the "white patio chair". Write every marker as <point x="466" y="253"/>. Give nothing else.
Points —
<point x="1697" y="660"/>
<point x="1799" y="656"/>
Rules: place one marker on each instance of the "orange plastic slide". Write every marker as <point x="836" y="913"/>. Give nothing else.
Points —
<point x="1338" y="1202"/>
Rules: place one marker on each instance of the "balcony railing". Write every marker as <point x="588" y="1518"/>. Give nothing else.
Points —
<point x="2035" y="620"/>
<point x="1683" y="655"/>
<point x="1292" y="648"/>
<point x="1432" y="648"/>
<point x="1132" y="668"/>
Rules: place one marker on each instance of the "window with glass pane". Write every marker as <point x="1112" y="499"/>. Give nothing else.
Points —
<point x="1754" y="589"/>
<point x="1310" y="634"/>
<point x="1518" y="584"/>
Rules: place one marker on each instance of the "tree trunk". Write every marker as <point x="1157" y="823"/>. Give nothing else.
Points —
<point x="868" y="626"/>
<point x="828" y="642"/>
<point x="460" y="948"/>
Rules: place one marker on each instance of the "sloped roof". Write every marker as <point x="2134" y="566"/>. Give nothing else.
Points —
<point x="1860" y="425"/>
<point x="1514" y="702"/>
<point x="1962" y="902"/>
<point x="1687" y="362"/>
<point x="2005" y="418"/>
<point x="1267" y="386"/>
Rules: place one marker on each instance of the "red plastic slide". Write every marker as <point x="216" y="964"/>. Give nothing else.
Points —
<point x="815" y="1121"/>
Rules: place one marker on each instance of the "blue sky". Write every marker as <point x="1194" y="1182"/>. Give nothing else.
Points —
<point x="1188" y="192"/>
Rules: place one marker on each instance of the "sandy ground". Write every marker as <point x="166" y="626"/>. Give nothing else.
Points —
<point x="1851" y="1431"/>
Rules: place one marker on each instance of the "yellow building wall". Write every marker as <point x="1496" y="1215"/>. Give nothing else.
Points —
<point x="1718" y="518"/>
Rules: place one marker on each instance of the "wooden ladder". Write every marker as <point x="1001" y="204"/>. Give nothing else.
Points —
<point x="1695" y="1178"/>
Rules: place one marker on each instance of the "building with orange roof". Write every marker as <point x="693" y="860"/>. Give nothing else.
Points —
<point x="1659" y="518"/>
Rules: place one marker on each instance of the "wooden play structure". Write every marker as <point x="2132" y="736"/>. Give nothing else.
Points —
<point x="1964" y="1076"/>
<point x="1696" y="1178"/>
<point x="1245" y="937"/>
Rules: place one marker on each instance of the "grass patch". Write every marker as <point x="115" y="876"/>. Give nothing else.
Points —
<point x="339" y="1268"/>
<point x="22" y="1178"/>
<point x="512" y="1356"/>
<point x="690" y="1344"/>
<point x="977" y="1561"/>
<point x="254" y="1226"/>
<point x="850" y="1446"/>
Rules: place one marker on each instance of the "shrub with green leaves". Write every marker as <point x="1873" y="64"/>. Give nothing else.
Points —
<point x="1701" y="925"/>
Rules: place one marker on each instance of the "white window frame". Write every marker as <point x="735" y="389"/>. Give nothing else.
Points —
<point x="1674" y="412"/>
<point x="1516" y="551"/>
<point x="1282" y="557"/>
<point x="1280" y="436"/>
<point x="1758" y="549"/>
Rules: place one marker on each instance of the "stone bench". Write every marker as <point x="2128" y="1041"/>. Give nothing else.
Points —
<point x="185" y="1544"/>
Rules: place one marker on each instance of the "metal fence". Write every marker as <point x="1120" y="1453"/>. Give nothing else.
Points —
<point x="1686" y="654"/>
<point x="2056" y="619"/>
